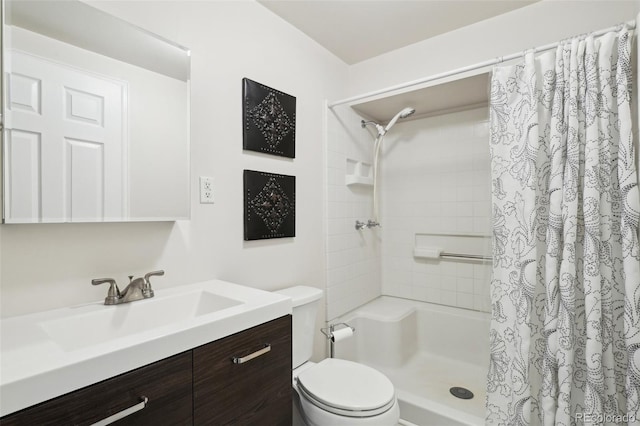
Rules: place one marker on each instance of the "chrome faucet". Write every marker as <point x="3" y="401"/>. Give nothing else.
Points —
<point x="140" y="288"/>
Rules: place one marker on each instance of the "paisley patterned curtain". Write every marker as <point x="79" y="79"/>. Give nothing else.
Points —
<point x="565" y="329"/>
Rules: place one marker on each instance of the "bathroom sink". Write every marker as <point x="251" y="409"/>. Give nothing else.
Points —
<point x="47" y="354"/>
<point x="81" y="329"/>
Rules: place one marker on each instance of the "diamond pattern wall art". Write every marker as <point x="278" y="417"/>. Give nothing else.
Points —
<point x="269" y="205"/>
<point x="269" y="120"/>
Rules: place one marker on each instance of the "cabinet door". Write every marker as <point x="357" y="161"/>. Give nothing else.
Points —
<point x="255" y="392"/>
<point x="167" y="385"/>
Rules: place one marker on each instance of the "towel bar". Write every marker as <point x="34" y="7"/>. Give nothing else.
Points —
<point x="465" y="256"/>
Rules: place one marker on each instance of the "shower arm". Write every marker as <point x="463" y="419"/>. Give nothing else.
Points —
<point x="381" y="130"/>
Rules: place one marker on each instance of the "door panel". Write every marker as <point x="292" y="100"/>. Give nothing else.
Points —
<point x="84" y="107"/>
<point x="23" y="149"/>
<point x="85" y="173"/>
<point x="24" y="93"/>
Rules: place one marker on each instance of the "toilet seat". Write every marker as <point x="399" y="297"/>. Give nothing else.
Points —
<point x="347" y="388"/>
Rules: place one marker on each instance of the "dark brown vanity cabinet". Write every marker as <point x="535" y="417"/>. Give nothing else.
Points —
<point x="167" y="384"/>
<point x="255" y="392"/>
<point x="202" y="386"/>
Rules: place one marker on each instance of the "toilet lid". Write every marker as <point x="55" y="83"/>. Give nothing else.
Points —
<point x="347" y="388"/>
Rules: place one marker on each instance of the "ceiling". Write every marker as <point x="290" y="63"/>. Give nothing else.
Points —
<point x="356" y="30"/>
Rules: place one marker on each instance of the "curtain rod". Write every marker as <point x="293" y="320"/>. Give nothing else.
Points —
<point x="630" y="24"/>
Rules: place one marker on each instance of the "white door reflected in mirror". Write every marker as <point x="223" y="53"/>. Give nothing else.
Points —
<point x="95" y="122"/>
<point x="68" y="165"/>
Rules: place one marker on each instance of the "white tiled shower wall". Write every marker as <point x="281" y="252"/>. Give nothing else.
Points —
<point x="353" y="257"/>
<point x="435" y="178"/>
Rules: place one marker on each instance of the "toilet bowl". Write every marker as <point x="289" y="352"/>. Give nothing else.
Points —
<point x="334" y="391"/>
<point x="340" y="392"/>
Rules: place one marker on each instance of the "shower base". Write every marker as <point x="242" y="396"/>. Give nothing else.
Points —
<point x="425" y="350"/>
<point x="423" y="391"/>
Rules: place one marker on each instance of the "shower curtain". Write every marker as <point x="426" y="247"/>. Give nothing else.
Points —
<point x="565" y="289"/>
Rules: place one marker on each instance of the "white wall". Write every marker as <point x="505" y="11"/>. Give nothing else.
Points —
<point x="49" y="266"/>
<point x="434" y="178"/>
<point x="544" y="22"/>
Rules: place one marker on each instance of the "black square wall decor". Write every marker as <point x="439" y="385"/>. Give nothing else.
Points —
<point x="269" y="205"/>
<point x="268" y="120"/>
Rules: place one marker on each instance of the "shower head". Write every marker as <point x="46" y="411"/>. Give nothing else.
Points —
<point x="406" y="112"/>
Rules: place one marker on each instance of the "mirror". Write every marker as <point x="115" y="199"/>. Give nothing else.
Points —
<point x="96" y="117"/>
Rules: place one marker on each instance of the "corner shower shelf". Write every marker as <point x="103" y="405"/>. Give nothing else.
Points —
<point x="350" y="180"/>
<point x="358" y="173"/>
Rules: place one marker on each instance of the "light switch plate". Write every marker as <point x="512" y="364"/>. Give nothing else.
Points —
<point x="206" y="190"/>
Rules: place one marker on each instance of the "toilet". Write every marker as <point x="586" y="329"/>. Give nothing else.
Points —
<point x="333" y="391"/>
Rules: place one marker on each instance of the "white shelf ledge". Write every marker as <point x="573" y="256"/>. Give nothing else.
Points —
<point x="358" y="180"/>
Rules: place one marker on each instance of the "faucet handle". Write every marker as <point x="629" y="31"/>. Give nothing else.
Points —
<point x="147" y="290"/>
<point x="114" y="292"/>
<point x="154" y="273"/>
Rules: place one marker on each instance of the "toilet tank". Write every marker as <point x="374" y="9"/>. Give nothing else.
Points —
<point x="305" y="302"/>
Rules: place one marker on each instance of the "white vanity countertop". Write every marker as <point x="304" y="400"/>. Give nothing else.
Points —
<point x="48" y="354"/>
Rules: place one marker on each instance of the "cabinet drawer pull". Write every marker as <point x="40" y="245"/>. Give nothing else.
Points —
<point x="238" y="360"/>
<point x="124" y="413"/>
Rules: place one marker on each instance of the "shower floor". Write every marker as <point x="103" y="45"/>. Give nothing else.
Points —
<point x="425" y="350"/>
<point x="423" y="385"/>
